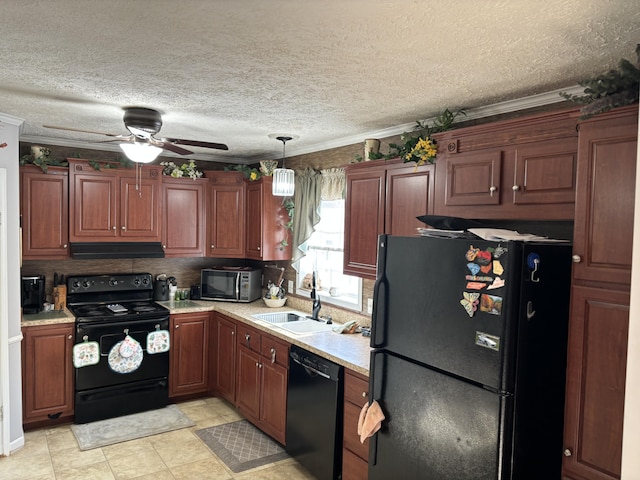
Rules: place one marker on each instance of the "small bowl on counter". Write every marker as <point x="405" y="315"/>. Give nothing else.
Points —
<point x="274" y="302"/>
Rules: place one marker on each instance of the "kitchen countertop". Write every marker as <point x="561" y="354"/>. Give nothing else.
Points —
<point x="349" y="350"/>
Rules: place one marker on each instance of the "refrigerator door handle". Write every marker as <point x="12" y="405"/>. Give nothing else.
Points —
<point x="379" y="297"/>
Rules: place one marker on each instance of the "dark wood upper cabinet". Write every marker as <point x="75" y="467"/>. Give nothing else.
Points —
<point x="226" y="215"/>
<point x="113" y="205"/>
<point x="604" y="217"/>
<point x="508" y="169"/>
<point x="267" y="235"/>
<point x="183" y="215"/>
<point x="382" y="197"/>
<point x="44" y="207"/>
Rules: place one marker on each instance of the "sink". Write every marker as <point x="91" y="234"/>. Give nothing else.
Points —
<point x="293" y="322"/>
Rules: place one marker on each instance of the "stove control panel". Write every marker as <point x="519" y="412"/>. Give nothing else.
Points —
<point x="110" y="283"/>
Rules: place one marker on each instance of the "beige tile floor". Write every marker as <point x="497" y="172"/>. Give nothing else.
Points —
<point x="53" y="454"/>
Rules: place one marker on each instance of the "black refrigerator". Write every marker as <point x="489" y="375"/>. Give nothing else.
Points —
<point x="468" y="366"/>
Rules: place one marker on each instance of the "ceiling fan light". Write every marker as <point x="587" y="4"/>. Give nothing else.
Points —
<point x="284" y="182"/>
<point x="140" y="152"/>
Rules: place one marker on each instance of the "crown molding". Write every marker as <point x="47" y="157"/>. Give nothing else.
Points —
<point x="509" y="106"/>
<point x="11" y="120"/>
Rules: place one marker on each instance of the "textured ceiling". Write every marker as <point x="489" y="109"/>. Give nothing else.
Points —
<point x="332" y="72"/>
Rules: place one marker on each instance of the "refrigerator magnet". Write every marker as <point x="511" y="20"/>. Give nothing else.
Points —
<point x="472" y="253"/>
<point x="470" y="302"/>
<point x="474" y="268"/>
<point x="497" y="283"/>
<point x="498" y="269"/>
<point x="499" y="251"/>
<point x="488" y="341"/>
<point x="491" y="304"/>
<point x="475" y="285"/>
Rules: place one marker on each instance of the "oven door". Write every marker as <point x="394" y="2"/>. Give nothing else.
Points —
<point x="114" y="369"/>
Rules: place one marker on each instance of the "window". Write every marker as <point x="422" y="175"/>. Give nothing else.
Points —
<point x="325" y="253"/>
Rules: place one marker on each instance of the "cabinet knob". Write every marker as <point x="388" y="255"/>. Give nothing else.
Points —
<point x="164" y="246"/>
<point x="233" y="334"/>
<point x="492" y="190"/>
<point x="177" y="327"/>
<point x="124" y="228"/>
<point x="65" y="245"/>
<point x="364" y="394"/>
<point x="576" y="258"/>
<point x="114" y="227"/>
<point x="258" y="248"/>
<point x="212" y="247"/>
<point x="516" y="188"/>
<point x="70" y="337"/>
<point x="273" y="355"/>
<point x="567" y="452"/>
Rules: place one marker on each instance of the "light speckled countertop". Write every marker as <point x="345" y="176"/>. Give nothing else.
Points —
<point x="350" y="351"/>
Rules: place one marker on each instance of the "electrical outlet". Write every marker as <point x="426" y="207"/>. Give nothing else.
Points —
<point x="290" y="286"/>
<point x="369" y="305"/>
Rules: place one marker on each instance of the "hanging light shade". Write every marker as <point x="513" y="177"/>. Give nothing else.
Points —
<point x="140" y="152"/>
<point x="284" y="182"/>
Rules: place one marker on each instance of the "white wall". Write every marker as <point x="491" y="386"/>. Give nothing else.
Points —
<point x="631" y="439"/>
<point x="10" y="370"/>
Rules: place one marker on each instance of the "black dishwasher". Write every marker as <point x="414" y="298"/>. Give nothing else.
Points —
<point x="314" y="413"/>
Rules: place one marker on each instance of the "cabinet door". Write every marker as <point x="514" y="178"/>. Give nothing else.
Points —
<point x="596" y="370"/>
<point x="139" y="208"/>
<point x="183" y="226"/>
<point x="273" y="403"/>
<point x="225" y="357"/>
<point x="254" y="220"/>
<point x="473" y="178"/>
<point x="409" y="194"/>
<point x="248" y="386"/>
<point x="353" y="467"/>
<point x="47" y="372"/>
<point x="545" y="173"/>
<point x="603" y="239"/>
<point x="93" y="205"/>
<point x="189" y="362"/>
<point x="44" y="206"/>
<point x="364" y="220"/>
<point x="227" y="221"/>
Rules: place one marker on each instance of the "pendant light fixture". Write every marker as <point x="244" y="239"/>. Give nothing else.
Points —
<point x="283" y="178"/>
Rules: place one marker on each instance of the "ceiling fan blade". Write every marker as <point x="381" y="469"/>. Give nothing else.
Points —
<point x="69" y="129"/>
<point x="169" y="146"/>
<point x="196" y="143"/>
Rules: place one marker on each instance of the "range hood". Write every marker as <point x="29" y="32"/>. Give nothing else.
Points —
<point x="107" y="250"/>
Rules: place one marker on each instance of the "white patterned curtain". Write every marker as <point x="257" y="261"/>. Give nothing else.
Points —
<point x="333" y="182"/>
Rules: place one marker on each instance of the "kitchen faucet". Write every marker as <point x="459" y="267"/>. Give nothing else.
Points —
<point x="315" y="309"/>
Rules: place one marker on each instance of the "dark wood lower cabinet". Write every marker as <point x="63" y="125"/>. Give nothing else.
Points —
<point x="47" y="373"/>
<point x="355" y="454"/>
<point x="189" y="356"/>
<point x="595" y="384"/>
<point x="262" y="378"/>
<point x="223" y="355"/>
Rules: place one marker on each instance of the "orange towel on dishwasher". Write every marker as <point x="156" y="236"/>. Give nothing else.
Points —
<point x="370" y="420"/>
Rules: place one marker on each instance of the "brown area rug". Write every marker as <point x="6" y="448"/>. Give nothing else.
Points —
<point x="241" y="446"/>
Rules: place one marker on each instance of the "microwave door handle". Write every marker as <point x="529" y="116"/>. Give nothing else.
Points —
<point x="238" y="286"/>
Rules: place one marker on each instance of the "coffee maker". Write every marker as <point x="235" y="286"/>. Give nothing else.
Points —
<point x="32" y="294"/>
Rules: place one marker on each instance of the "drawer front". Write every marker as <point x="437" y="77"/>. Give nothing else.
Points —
<point x="249" y="337"/>
<point x="356" y="388"/>
<point x="275" y="351"/>
<point x="351" y="439"/>
<point x="353" y="467"/>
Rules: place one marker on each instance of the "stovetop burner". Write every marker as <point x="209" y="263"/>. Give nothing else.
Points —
<point x="113" y="298"/>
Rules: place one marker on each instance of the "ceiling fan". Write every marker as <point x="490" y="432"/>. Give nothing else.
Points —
<point x="143" y="124"/>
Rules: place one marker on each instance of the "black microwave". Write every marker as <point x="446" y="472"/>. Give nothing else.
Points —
<point x="231" y="284"/>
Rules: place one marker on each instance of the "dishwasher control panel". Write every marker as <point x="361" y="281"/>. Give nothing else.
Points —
<point x="314" y="362"/>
